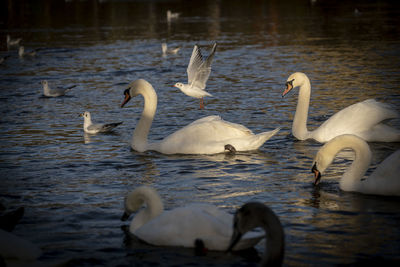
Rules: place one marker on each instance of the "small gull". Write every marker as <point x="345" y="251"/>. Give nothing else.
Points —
<point x="165" y="50"/>
<point x="172" y="15"/>
<point x="47" y="91"/>
<point x="198" y="72"/>
<point x="22" y="53"/>
<point x="93" y="128"/>
<point x="12" y="42"/>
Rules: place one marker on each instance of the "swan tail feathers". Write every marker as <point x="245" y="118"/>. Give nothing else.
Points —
<point x="381" y="133"/>
<point x="268" y="135"/>
<point x="265" y="136"/>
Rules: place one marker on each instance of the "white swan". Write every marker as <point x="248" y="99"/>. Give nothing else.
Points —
<point x="363" y="119"/>
<point x="385" y="180"/>
<point x="17" y="249"/>
<point x="198" y="72"/>
<point x="181" y="226"/>
<point x="93" y="128"/>
<point x="255" y="214"/>
<point x="208" y="135"/>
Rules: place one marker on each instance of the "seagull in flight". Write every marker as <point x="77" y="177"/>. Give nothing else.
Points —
<point x="198" y="72"/>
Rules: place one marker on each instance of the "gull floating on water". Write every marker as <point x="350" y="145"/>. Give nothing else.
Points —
<point x="165" y="50"/>
<point x="12" y="42"/>
<point x="47" y="91"/>
<point x="198" y="72"/>
<point x="93" y="128"/>
<point x="172" y="15"/>
<point x="22" y="53"/>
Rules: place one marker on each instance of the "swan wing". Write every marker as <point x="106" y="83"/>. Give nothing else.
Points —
<point x="385" y="180"/>
<point x="216" y="121"/>
<point x="209" y="135"/>
<point x="205" y="130"/>
<point x="182" y="226"/>
<point x="14" y="247"/>
<point x="358" y="119"/>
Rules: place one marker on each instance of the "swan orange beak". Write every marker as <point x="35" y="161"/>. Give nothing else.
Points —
<point x="289" y="86"/>
<point x="127" y="98"/>
<point x="317" y="174"/>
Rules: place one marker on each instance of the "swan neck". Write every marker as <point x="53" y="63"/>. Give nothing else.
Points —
<point x="275" y="240"/>
<point x="153" y="206"/>
<point x="299" y="127"/>
<point x="141" y="132"/>
<point x="351" y="179"/>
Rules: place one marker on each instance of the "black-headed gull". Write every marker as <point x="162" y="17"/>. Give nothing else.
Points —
<point x="47" y="91"/>
<point x="165" y="50"/>
<point x="93" y="128"/>
<point x="22" y="52"/>
<point x="12" y="42"/>
<point x="198" y="72"/>
<point x="172" y="15"/>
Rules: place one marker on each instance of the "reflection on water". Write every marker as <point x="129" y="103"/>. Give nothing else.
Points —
<point x="73" y="184"/>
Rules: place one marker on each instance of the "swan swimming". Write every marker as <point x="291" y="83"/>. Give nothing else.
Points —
<point x="183" y="226"/>
<point x="93" y="128"/>
<point x="255" y="214"/>
<point x="363" y="119"/>
<point x="385" y="180"/>
<point x="198" y="72"/>
<point x="207" y="135"/>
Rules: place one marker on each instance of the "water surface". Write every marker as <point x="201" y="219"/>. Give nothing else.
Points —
<point x="72" y="185"/>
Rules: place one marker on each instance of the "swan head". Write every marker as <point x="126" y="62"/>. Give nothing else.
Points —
<point x="178" y="85"/>
<point x="296" y="79"/>
<point x="44" y="82"/>
<point x="134" y="89"/>
<point x="321" y="162"/>
<point x="251" y="215"/>
<point x="231" y="149"/>
<point x="139" y="197"/>
<point x="317" y="174"/>
<point x="255" y="214"/>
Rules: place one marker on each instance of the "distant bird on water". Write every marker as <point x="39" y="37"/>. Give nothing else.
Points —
<point x="12" y="42"/>
<point x="172" y="15"/>
<point x="165" y="50"/>
<point x="93" y="128"/>
<point x="47" y="91"/>
<point x="22" y="53"/>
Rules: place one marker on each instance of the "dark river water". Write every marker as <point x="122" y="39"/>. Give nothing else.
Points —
<point x="73" y="185"/>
